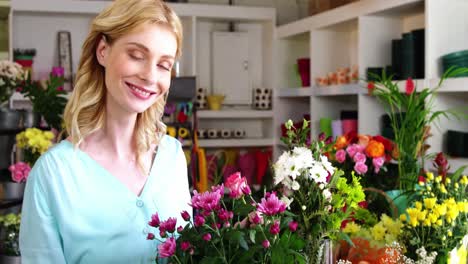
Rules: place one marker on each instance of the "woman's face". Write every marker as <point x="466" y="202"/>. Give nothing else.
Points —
<point x="137" y="68"/>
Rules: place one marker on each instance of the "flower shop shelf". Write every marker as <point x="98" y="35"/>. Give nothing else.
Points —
<point x="18" y="101"/>
<point x="456" y="163"/>
<point x="246" y="142"/>
<point x="451" y="84"/>
<point x="332" y="90"/>
<point x="198" y="10"/>
<point x="295" y="92"/>
<point x="234" y="113"/>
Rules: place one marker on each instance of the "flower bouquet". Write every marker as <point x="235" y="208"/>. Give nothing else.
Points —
<point x="320" y="196"/>
<point x="11" y="74"/>
<point x="10" y="225"/>
<point x="33" y="142"/>
<point x="237" y="229"/>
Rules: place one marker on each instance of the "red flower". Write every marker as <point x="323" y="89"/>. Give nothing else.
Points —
<point x="421" y="179"/>
<point x="370" y="87"/>
<point x="409" y="86"/>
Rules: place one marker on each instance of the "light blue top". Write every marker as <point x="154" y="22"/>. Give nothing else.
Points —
<point x="75" y="211"/>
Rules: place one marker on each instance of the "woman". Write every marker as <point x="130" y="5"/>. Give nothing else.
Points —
<point x="89" y="198"/>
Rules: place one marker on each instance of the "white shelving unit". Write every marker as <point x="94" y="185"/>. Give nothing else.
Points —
<point x="360" y="34"/>
<point x="36" y="23"/>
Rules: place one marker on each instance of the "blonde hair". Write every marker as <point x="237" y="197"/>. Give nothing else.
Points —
<point x="85" y="111"/>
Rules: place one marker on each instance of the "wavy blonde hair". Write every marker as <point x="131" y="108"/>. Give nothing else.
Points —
<point x="85" y="111"/>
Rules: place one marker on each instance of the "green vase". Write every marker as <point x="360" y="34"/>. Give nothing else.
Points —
<point x="400" y="200"/>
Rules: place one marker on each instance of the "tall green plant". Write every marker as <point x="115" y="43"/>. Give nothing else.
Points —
<point x="411" y="113"/>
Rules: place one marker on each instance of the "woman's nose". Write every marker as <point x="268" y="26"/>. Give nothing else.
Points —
<point x="149" y="73"/>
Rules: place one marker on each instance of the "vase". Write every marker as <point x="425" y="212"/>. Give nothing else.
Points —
<point x="13" y="190"/>
<point x="215" y="101"/>
<point x="10" y="259"/>
<point x="400" y="200"/>
<point x="9" y="119"/>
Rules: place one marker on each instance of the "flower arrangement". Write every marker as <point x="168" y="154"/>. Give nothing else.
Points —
<point x="366" y="155"/>
<point x="47" y="97"/>
<point x="316" y="192"/>
<point x="411" y="113"/>
<point x="10" y="225"/>
<point x="237" y="229"/>
<point x="34" y="142"/>
<point x="438" y="220"/>
<point x="11" y="74"/>
<point x="19" y="171"/>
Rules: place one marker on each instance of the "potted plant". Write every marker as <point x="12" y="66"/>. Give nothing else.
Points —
<point x="47" y="97"/>
<point x="9" y="226"/>
<point x="11" y="74"/>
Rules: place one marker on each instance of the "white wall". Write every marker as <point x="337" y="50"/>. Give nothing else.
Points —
<point x="287" y="10"/>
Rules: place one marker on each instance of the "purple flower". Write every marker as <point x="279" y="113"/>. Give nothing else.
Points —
<point x="154" y="220"/>
<point x="185" y="215"/>
<point x="340" y="156"/>
<point x="359" y="157"/>
<point x="207" y="237"/>
<point x="271" y="205"/>
<point x="321" y="136"/>
<point x="168" y="225"/>
<point x="58" y="71"/>
<point x="266" y="243"/>
<point x="275" y="228"/>
<point x="293" y="226"/>
<point x="199" y="220"/>
<point x="378" y="162"/>
<point x="167" y="248"/>
<point x="360" y="168"/>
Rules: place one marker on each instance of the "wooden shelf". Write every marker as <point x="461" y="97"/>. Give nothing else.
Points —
<point x="234" y="113"/>
<point x="295" y="92"/>
<point x="245" y="142"/>
<point x="334" y="90"/>
<point x="222" y="12"/>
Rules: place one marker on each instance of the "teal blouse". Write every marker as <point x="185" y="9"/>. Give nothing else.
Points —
<point x="75" y="211"/>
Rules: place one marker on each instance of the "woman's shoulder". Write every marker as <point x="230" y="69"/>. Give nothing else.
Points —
<point x="169" y="143"/>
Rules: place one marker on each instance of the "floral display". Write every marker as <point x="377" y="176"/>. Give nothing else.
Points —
<point x="47" y="97"/>
<point x="319" y="194"/>
<point x="34" y="142"/>
<point x="11" y="74"/>
<point x="366" y="155"/>
<point x="19" y="171"/>
<point x="233" y="229"/>
<point x="10" y="225"/>
<point x="411" y="113"/>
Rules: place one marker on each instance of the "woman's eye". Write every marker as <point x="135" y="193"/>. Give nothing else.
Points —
<point x="165" y="67"/>
<point x="136" y="56"/>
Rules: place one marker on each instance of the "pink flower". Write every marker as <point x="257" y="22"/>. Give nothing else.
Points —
<point x="207" y="237"/>
<point x="255" y="218"/>
<point x="199" y="220"/>
<point x="340" y="156"/>
<point x="360" y="168"/>
<point x="180" y="229"/>
<point x="225" y="215"/>
<point x="353" y="149"/>
<point x="58" y="71"/>
<point x="271" y="205"/>
<point x="150" y="236"/>
<point x="359" y="157"/>
<point x="246" y="190"/>
<point x="167" y="248"/>
<point x="266" y="243"/>
<point x="235" y="183"/>
<point x="185" y="215"/>
<point x="275" y="228"/>
<point x="154" y="220"/>
<point x="378" y="162"/>
<point x="168" y="225"/>
<point x="409" y="86"/>
<point x="293" y="226"/>
<point x="207" y="201"/>
<point x="19" y="171"/>
<point x="185" y="245"/>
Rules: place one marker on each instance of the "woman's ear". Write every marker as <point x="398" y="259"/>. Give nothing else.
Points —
<point x="101" y="51"/>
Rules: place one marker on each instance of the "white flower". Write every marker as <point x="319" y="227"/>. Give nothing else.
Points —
<point x="287" y="201"/>
<point x="328" y="166"/>
<point x="295" y="186"/>
<point x="318" y="173"/>
<point x="292" y="164"/>
<point x="327" y="194"/>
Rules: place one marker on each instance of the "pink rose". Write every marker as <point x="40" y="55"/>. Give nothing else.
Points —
<point x="340" y="156"/>
<point x="167" y="248"/>
<point x="19" y="171"/>
<point x="235" y="183"/>
<point x="378" y="162"/>
<point x="353" y="149"/>
<point x="359" y="157"/>
<point x="360" y="168"/>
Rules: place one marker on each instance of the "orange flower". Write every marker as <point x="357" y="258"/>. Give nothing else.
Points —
<point x="375" y="149"/>
<point x="363" y="140"/>
<point x="341" y="142"/>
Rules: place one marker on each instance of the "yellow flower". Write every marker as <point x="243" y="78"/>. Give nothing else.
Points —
<point x="447" y="180"/>
<point x="441" y="209"/>
<point x="429" y="176"/>
<point x="352" y="228"/>
<point x="427" y="222"/>
<point x="402" y="217"/>
<point x="449" y="233"/>
<point x="439" y="222"/>
<point x="438" y="179"/>
<point x="429" y="203"/>
<point x="442" y="188"/>
<point x="456" y="185"/>
<point x="418" y="205"/>
<point x="413" y="216"/>
<point x="452" y="214"/>
<point x="464" y="180"/>
<point x="378" y="231"/>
